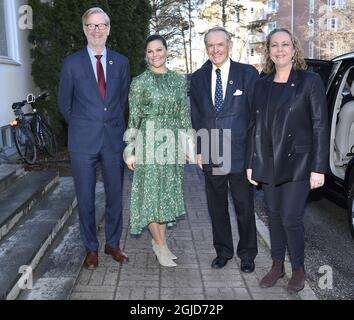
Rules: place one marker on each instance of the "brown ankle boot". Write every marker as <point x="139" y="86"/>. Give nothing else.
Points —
<point x="275" y="273"/>
<point x="297" y="281"/>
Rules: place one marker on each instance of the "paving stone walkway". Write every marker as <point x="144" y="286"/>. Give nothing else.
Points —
<point x="193" y="279"/>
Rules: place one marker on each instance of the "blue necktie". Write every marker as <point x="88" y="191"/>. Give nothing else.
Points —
<point x="218" y="91"/>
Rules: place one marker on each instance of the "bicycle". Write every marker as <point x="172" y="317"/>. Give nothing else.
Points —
<point x="31" y="131"/>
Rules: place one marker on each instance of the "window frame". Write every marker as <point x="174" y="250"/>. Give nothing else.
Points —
<point x="11" y="26"/>
<point x="311" y="6"/>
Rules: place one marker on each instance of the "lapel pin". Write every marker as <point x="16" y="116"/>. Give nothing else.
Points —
<point x="293" y="84"/>
<point x="110" y="62"/>
<point x="231" y="82"/>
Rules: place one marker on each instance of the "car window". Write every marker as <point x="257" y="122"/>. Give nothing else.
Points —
<point x="334" y="71"/>
<point x="323" y="68"/>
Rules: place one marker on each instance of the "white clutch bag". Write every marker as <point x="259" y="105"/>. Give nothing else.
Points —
<point x="187" y="144"/>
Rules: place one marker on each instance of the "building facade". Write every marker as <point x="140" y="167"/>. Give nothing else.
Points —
<point x="15" y="63"/>
<point x="325" y="28"/>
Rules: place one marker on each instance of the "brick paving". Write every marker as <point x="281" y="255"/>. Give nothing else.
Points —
<point x="193" y="279"/>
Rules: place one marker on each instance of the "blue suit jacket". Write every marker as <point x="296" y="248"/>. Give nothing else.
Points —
<point x="234" y="115"/>
<point x="92" y="121"/>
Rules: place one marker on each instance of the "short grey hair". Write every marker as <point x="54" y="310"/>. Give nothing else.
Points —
<point x="217" y="29"/>
<point x="94" y="11"/>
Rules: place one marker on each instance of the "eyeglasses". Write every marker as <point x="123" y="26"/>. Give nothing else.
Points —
<point x="100" y="26"/>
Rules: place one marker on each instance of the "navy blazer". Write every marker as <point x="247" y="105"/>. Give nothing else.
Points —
<point x="94" y="122"/>
<point x="234" y="115"/>
<point x="300" y="134"/>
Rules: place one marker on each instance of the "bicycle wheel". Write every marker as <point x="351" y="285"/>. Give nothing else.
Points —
<point x="49" y="140"/>
<point x="25" y="144"/>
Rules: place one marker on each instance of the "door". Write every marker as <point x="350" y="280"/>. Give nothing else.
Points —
<point x="323" y="68"/>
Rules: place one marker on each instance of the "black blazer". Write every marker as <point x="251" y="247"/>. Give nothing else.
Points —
<point x="300" y="133"/>
<point x="234" y="115"/>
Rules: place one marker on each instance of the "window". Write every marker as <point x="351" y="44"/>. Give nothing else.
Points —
<point x="252" y="52"/>
<point x="311" y="49"/>
<point x="330" y="45"/>
<point x="340" y="4"/>
<point x="3" y="38"/>
<point x="272" y="25"/>
<point x="337" y="4"/>
<point x="9" y="48"/>
<point x="332" y="24"/>
<point x="272" y="5"/>
<point x="312" y="6"/>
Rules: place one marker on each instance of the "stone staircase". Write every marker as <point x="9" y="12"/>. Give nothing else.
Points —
<point x="40" y="247"/>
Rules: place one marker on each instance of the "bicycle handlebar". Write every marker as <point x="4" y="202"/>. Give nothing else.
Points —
<point x="18" y="105"/>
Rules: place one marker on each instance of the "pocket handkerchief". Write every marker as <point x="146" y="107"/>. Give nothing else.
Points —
<point x="238" y="92"/>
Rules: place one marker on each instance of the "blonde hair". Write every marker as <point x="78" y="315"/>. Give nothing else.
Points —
<point x="298" y="58"/>
<point x="94" y="11"/>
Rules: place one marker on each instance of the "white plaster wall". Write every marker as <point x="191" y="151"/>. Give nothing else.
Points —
<point x="15" y="79"/>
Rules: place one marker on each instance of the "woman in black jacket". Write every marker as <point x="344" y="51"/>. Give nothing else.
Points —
<point x="288" y="148"/>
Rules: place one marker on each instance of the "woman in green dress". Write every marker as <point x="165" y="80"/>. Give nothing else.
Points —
<point x="157" y="110"/>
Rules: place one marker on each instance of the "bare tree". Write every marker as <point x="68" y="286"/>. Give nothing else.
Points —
<point x="219" y="11"/>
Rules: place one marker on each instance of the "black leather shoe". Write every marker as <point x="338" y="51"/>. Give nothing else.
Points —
<point x="219" y="262"/>
<point x="247" y="266"/>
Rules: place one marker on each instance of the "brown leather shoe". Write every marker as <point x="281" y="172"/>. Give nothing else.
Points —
<point x="91" y="260"/>
<point x="297" y="281"/>
<point x="116" y="254"/>
<point x="275" y="273"/>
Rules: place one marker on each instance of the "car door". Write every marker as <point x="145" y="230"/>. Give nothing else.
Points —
<point x="323" y="68"/>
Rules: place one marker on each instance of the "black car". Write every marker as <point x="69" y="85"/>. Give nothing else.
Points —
<point x="338" y="76"/>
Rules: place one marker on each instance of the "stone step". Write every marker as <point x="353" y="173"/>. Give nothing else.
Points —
<point x="8" y="174"/>
<point x="56" y="274"/>
<point x="21" y="195"/>
<point x="28" y="241"/>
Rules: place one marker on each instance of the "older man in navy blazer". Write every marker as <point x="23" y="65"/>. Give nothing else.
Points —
<point x="220" y="103"/>
<point x="93" y="95"/>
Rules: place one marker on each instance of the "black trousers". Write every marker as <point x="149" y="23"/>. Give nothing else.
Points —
<point x="217" y="188"/>
<point x="285" y="208"/>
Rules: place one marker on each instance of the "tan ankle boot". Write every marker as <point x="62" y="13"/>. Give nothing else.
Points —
<point x="297" y="281"/>
<point x="169" y="253"/>
<point x="162" y="256"/>
<point x="275" y="273"/>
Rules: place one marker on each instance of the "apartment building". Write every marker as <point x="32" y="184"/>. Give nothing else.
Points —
<point x="325" y="28"/>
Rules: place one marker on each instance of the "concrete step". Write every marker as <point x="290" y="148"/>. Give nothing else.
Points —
<point x="21" y="195"/>
<point x="56" y="274"/>
<point x="28" y="241"/>
<point x="8" y="174"/>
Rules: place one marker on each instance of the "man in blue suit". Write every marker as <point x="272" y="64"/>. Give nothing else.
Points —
<point x="220" y="105"/>
<point x="93" y="95"/>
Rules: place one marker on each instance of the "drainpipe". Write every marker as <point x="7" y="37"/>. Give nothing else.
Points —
<point x="292" y="16"/>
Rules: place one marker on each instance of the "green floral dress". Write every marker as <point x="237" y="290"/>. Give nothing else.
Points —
<point x="157" y="109"/>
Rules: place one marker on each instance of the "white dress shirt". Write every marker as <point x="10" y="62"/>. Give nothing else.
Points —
<point x="225" y="69"/>
<point x="94" y="61"/>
